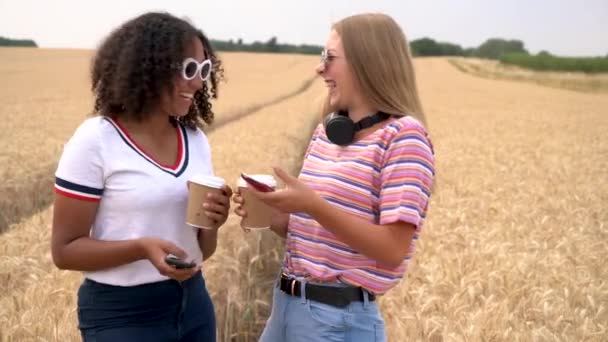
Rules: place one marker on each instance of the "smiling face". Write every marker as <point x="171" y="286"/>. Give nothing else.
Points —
<point x="336" y="72"/>
<point x="176" y="100"/>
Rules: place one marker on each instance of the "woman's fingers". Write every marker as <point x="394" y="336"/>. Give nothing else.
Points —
<point x="227" y="190"/>
<point x="216" y="217"/>
<point x="216" y="208"/>
<point x="216" y="198"/>
<point x="168" y="247"/>
<point x="240" y="211"/>
<point x="182" y="274"/>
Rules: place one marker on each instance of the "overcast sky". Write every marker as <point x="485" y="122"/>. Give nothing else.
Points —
<point x="575" y="28"/>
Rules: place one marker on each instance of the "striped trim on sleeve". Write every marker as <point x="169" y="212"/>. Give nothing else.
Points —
<point x="77" y="191"/>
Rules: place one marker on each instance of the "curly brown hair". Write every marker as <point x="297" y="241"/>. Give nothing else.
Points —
<point x="139" y="59"/>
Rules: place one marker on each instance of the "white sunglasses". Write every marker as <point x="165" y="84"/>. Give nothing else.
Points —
<point x="326" y="57"/>
<point x="190" y="67"/>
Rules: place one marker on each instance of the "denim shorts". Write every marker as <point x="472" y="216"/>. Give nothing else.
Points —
<point x="296" y="319"/>
<point x="157" y="312"/>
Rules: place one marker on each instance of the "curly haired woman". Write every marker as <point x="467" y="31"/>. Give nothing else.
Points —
<point x="121" y="188"/>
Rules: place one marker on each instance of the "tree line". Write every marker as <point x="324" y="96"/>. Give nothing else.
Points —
<point x="17" y="42"/>
<point x="511" y="52"/>
<point x="270" y="46"/>
<point x="493" y="48"/>
<point x="506" y="51"/>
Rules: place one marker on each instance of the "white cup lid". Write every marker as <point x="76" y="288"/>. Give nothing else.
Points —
<point x="208" y="180"/>
<point x="266" y="179"/>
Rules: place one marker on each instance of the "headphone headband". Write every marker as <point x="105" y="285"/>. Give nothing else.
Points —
<point x="371" y="120"/>
<point x="340" y="129"/>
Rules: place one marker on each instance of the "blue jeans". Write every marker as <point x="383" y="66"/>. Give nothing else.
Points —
<point x="157" y="312"/>
<point x="296" y="319"/>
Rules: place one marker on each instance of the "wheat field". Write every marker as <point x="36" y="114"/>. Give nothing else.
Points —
<point x="579" y="81"/>
<point x="514" y="245"/>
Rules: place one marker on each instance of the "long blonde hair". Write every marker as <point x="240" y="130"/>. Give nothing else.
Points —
<point x="379" y="56"/>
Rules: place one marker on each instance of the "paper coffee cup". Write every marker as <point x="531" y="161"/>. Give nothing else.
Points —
<point x="259" y="214"/>
<point x="199" y="187"/>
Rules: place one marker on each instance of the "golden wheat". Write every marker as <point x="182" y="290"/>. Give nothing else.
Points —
<point x="513" y="249"/>
<point x="517" y="235"/>
<point x="579" y="81"/>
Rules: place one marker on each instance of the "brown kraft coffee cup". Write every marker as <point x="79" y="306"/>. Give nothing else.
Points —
<point x="198" y="188"/>
<point x="259" y="214"/>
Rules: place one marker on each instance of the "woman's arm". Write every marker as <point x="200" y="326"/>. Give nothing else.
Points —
<point x="387" y="244"/>
<point x="73" y="249"/>
<point x="279" y="224"/>
<point x="207" y="241"/>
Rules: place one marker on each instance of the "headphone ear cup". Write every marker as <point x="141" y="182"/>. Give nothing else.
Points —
<point x="339" y="129"/>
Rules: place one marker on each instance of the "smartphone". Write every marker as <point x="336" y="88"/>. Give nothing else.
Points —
<point x="178" y="263"/>
<point x="259" y="186"/>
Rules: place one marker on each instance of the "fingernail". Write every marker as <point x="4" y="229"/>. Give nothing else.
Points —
<point x="205" y="205"/>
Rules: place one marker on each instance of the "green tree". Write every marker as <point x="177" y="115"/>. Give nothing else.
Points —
<point x="424" y="47"/>
<point x="17" y="42"/>
<point x="494" y="48"/>
<point x="429" y="47"/>
<point x="271" y="45"/>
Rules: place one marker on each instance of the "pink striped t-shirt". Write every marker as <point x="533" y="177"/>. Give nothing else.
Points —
<point x="383" y="178"/>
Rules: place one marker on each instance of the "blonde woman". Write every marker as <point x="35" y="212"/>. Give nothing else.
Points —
<point x="352" y="216"/>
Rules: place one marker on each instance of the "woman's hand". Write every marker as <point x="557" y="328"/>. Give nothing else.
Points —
<point x="295" y="198"/>
<point x="217" y="206"/>
<point x="156" y="250"/>
<point x="239" y="211"/>
<point x="239" y="201"/>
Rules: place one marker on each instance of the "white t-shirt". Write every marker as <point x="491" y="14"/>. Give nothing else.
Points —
<point x="138" y="197"/>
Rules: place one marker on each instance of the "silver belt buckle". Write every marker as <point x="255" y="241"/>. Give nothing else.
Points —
<point x="293" y="284"/>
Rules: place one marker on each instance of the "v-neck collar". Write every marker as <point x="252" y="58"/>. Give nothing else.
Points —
<point x="181" y="162"/>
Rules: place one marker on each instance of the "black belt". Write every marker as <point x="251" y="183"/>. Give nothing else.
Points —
<point x="336" y="296"/>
